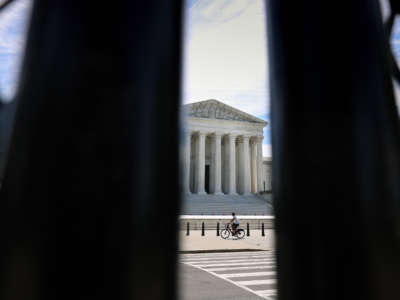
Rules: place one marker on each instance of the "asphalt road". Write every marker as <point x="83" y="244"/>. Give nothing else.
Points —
<point x="227" y="276"/>
<point x="195" y="284"/>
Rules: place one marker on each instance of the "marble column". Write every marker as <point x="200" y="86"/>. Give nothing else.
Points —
<point x="253" y="147"/>
<point x="245" y="165"/>
<point x="200" y="163"/>
<point x="215" y="174"/>
<point x="259" y="164"/>
<point x="231" y="168"/>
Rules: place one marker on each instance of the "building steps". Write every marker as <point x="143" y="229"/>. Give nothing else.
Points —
<point x="226" y="204"/>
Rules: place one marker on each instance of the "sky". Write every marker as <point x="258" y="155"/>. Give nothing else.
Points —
<point x="13" y="25"/>
<point x="225" y="53"/>
<point x="225" y="56"/>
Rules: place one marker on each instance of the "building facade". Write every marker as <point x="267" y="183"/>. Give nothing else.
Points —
<point x="222" y="150"/>
<point x="267" y="174"/>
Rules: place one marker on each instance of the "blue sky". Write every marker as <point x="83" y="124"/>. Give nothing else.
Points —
<point x="13" y="24"/>
<point x="225" y="53"/>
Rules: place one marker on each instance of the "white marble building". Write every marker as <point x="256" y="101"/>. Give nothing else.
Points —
<point x="222" y="150"/>
<point x="267" y="174"/>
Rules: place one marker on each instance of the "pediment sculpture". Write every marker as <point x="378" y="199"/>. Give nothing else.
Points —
<point x="213" y="109"/>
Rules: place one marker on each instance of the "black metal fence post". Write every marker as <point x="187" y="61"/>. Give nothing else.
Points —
<point x="115" y="71"/>
<point x="217" y="228"/>
<point x="262" y="230"/>
<point x="347" y="80"/>
<point x="187" y="228"/>
<point x="202" y="229"/>
<point x="248" y="229"/>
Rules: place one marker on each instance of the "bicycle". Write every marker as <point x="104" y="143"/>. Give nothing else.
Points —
<point x="228" y="231"/>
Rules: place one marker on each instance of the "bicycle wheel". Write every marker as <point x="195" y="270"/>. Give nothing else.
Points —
<point x="225" y="233"/>
<point x="240" y="234"/>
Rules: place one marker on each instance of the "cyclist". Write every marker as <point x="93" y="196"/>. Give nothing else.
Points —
<point x="235" y="223"/>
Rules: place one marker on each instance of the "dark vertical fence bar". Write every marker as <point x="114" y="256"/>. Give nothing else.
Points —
<point x="187" y="228"/>
<point x="217" y="228"/>
<point x="83" y="206"/>
<point x="262" y="230"/>
<point x="202" y="229"/>
<point x="7" y="112"/>
<point x="335" y="138"/>
<point x="248" y="229"/>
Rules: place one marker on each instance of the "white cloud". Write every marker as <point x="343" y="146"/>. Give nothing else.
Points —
<point x="13" y="25"/>
<point x="225" y="54"/>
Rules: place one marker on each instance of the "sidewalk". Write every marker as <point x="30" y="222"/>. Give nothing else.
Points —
<point x="212" y="243"/>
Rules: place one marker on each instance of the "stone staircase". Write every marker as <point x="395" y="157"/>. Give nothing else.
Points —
<point x="225" y="204"/>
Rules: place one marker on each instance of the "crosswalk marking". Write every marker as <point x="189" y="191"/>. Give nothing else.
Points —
<point x="260" y="262"/>
<point x="224" y="254"/>
<point x="229" y="258"/>
<point x="233" y="261"/>
<point x="246" y="270"/>
<point x="240" y="268"/>
<point x="266" y="293"/>
<point x="247" y="274"/>
<point x="228" y="254"/>
<point x="256" y="282"/>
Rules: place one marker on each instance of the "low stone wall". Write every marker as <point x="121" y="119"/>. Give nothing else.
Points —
<point x="210" y="222"/>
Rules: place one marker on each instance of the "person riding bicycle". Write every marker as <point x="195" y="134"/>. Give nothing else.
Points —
<point x="235" y="223"/>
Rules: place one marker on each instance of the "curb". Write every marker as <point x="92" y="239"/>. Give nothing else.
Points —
<point x="219" y="250"/>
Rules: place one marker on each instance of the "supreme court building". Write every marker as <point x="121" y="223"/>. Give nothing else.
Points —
<point x="222" y="150"/>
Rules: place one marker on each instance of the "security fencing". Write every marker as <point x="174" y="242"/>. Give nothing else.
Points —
<point x="217" y="223"/>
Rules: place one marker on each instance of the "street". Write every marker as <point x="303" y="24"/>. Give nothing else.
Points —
<point x="232" y="275"/>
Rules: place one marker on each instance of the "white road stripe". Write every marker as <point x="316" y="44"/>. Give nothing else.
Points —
<point x="256" y="282"/>
<point x="239" y="268"/>
<point x="247" y="274"/>
<point x="231" y="261"/>
<point x="224" y="262"/>
<point x="212" y="261"/>
<point x="224" y="254"/>
<point x="236" y="254"/>
<point x="234" y="264"/>
<point x="235" y="283"/>
<point x="228" y="258"/>
<point x="230" y="253"/>
<point x="267" y="292"/>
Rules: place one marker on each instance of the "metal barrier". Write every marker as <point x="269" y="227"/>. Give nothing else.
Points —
<point x="218" y="230"/>
<point x="211" y="222"/>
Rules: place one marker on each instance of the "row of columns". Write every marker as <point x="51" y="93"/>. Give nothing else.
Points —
<point x="253" y="170"/>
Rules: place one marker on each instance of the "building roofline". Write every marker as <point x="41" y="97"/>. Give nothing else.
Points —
<point x="238" y="111"/>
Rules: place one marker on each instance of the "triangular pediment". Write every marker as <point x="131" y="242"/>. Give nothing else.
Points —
<point x="214" y="109"/>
